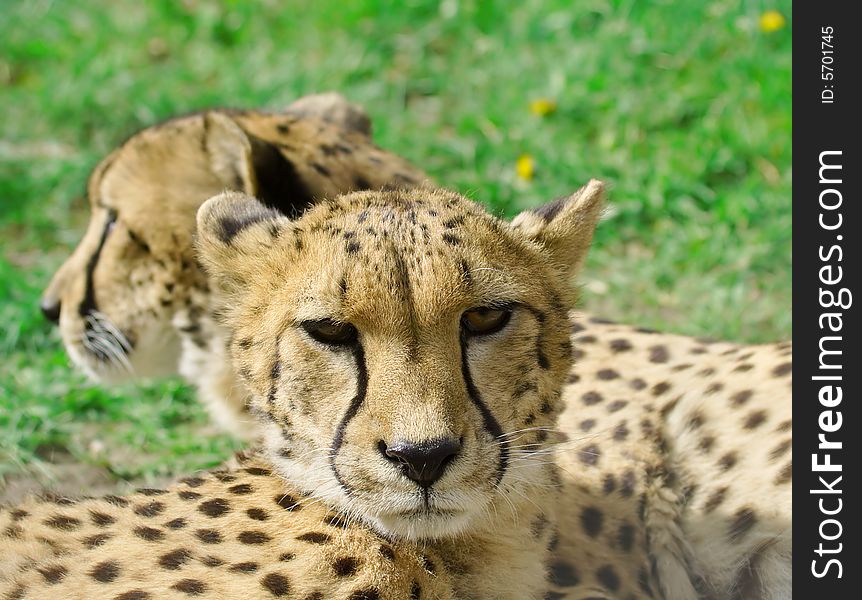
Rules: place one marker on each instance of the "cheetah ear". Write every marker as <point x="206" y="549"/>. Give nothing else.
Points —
<point x="565" y="226"/>
<point x="233" y="230"/>
<point x="229" y="151"/>
<point x="333" y="108"/>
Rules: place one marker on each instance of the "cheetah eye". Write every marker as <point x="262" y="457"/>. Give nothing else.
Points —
<point x="331" y="332"/>
<point x="485" y="320"/>
<point x="111" y="222"/>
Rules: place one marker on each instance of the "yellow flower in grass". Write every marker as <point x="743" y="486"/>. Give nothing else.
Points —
<point x="525" y="167"/>
<point x="542" y="107"/>
<point x="771" y="20"/>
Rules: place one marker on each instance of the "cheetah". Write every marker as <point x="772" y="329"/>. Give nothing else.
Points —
<point x="131" y="301"/>
<point x="671" y="487"/>
<point x="370" y="331"/>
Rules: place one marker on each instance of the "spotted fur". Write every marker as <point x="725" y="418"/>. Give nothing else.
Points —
<point x="413" y="374"/>
<point x="674" y="453"/>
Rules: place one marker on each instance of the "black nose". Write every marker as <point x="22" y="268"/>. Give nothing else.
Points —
<point x="51" y="309"/>
<point x="422" y="462"/>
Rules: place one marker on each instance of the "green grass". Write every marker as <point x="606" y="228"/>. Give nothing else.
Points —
<point x="684" y="107"/>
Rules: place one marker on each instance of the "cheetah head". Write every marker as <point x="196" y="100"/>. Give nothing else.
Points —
<point x="405" y="350"/>
<point x="116" y="297"/>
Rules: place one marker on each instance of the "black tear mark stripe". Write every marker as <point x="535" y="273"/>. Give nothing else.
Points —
<point x="88" y="302"/>
<point x="355" y="403"/>
<point x="491" y="424"/>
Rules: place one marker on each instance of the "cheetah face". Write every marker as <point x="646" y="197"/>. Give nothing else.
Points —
<point x="406" y="350"/>
<point x="115" y="296"/>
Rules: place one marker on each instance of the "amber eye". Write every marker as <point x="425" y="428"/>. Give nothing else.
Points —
<point x="485" y="320"/>
<point x="331" y="332"/>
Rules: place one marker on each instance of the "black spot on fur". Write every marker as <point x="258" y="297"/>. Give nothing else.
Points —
<point x="591" y="397"/>
<point x="105" y="572"/>
<point x="620" y="345"/>
<point x="591" y="521"/>
<point x="208" y="536"/>
<point x="177" y="523"/>
<point x="276" y="584"/>
<point x="564" y="574"/>
<point x="241" y="489"/>
<point x="743" y="520"/>
<point x="754" y="419"/>
<point x="452" y="240"/>
<point x="780" y="449"/>
<point x="94" y="541"/>
<point x="621" y="432"/>
<point x="345" y="566"/>
<point x="335" y="521"/>
<point x="727" y="461"/>
<point x="314" y="537"/>
<point x="215" y="507"/>
<point x="715" y="499"/>
<point x="387" y="552"/>
<point x="53" y="574"/>
<point x="133" y="595"/>
<point x="617" y="405"/>
<point x="63" y="522"/>
<point x="151" y="509"/>
<point x="192" y="587"/>
<point x="740" y="398"/>
<point x="637" y="383"/>
<point x="212" y="561"/>
<point x="627" y="487"/>
<point x="658" y="354"/>
<point x="706" y="443"/>
<point x="253" y="538"/>
<point x="99" y="519"/>
<point x="626" y="536"/>
<point x="243" y="567"/>
<point x="785" y="475"/>
<point x="660" y="388"/>
<point x="150" y="534"/>
<point x="258" y="514"/>
<point x="783" y="369"/>
<point x="175" y="559"/>
<point x="187" y="495"/>
<point x="589" y="455"/>
<point x="608" y="577"/>
<point x="287" y="502"/>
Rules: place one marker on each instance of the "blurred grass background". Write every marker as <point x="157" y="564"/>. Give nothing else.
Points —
<point x="684" y="107"/>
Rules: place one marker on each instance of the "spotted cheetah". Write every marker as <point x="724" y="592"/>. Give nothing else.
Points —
<point x="371" y="331"/>
<point x="675" y="476"/>
<point x="131" y="300"/>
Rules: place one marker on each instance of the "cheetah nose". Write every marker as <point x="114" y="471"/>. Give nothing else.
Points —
<point x="50" y="309"/>
<point x="422" y="462"/>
